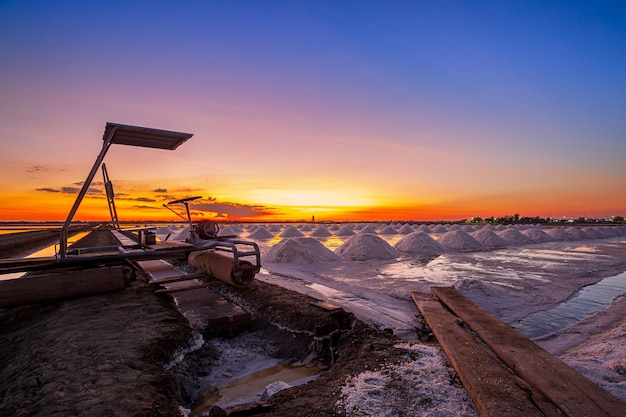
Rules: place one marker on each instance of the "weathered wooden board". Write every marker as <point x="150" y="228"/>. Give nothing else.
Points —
<point x="571" y="392"/>
<point x="496" y="392"/>
<point x="57" y="286"/>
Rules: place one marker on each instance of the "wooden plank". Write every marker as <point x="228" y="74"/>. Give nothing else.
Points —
<point x="52" y="287"/>
<point x="194" y="286"/>
<point x="496" y="391"/>
<point x="571" y="392"/>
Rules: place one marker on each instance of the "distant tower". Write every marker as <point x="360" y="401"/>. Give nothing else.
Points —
<point x="312" y="219"/>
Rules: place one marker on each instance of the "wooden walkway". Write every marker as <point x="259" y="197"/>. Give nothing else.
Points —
<point x="505" y="373"/>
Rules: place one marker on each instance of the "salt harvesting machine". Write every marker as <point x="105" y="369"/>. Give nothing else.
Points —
<point x="226" y="258"/>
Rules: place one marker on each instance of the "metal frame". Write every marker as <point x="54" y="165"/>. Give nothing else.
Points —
<point x="115" y="133"/>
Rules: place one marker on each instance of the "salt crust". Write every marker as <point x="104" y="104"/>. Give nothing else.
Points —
<point x="419" y="242"/>
<point x="299" y="250"/>
<point x="461" y="241"/>
<point x="368" y="393"/>
<point x="364" y="246"/>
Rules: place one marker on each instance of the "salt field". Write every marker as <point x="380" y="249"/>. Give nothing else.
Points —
<point x="524" y="275"/>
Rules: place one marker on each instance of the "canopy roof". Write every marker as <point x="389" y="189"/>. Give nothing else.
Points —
<point x="144" y="136"/>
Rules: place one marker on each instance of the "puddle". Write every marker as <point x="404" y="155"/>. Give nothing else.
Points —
<point x="590" y="299"/>
<point x="250" y="388"/>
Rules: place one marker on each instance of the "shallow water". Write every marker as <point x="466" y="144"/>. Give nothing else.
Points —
<point x="590" y="299"/>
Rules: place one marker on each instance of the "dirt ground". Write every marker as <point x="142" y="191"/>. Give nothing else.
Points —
<point x="108" y="354"/>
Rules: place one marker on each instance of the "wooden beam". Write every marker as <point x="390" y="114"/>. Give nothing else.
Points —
<point x="496" y="392"/>
<point x="57" y="286"/>
<point x="571" y="392"/>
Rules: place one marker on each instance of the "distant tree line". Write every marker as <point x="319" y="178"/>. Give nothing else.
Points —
<point x="516" y="218"/>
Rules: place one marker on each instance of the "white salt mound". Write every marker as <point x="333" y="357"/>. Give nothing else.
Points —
<point x="344" y="231"/>
<point x="440" y="228"/>
<point x="560" y="234"/>
<point x="275" y="228"/>
<point x="419" y="242"/>
<point x="424" y="228"/>
<point x="228" y="231"/>
<point x="368" y="229"/>
<point x="364" y="246"/>
<point x="291" y="232"/>
<point x="593" y="233"/>
<point x="405" y="230"/>
<point x="388" y="230"/>
<point x="261" y="233"/>
<point x="489" y="238"/>
<point x="320" y="231"/>
<point x="460" y="241"/>
<point x="576" y="232"/>
<point x="514" y="236"/>
<point x="538" y="236"/>
<point x="299" y="250"/>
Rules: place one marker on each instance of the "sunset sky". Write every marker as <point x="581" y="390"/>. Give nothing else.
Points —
<point x="342" y="110"/>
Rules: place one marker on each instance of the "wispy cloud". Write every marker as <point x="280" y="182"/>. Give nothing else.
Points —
<point x="232" y="209"/>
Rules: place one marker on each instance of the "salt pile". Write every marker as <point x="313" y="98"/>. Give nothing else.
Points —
<point x="291" y="232"/>
<point x="228" y="231"/>
<point x="236" y="228"/>
<point x="440" y="228"/>
<point x="489" y="238"/>
<point x="333" y="227"/>
<point x="405" y="230"/>
<point x="560" y="234"/>
<point x="461" y="241"/>
<point x="424" y="228"/>
<point x="388" y="230"/>
<point x="419" y="242"/>
<point x="305" y="228"/>
<point x="320" y="231"/>
<point x="261" y="233"/>
<point x="538" y="236"/>
<point x="300" y="250"/>
<point x="275" y="228"/>
<point x="515" y="237"/>
<point x="594" y="233"/>
<point x="344" y="231"/>
<point x="368" y="229"/>
<point x="577" y="233"/>
<point x="364" y="246"/>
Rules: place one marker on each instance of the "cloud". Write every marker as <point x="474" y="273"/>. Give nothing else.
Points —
<point x="160" y="190"/>
<point x="147" y="207"/>
<point x="37" y="168"/>
<point x="76" y="190"/>
<point x="232" y="209"/>
<point x="48" y="190"/>
<point x="140" y="199"/>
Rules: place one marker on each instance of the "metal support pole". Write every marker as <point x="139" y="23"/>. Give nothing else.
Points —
<point x="83" y="191"/>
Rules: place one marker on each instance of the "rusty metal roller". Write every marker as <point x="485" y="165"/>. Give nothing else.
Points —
<point x="222" y="267"/>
